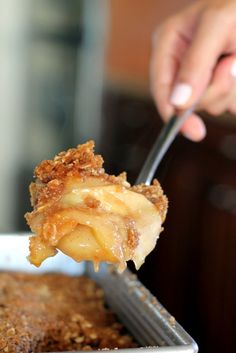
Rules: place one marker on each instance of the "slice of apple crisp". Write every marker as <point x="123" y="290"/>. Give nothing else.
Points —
<point x="90" y="215"/>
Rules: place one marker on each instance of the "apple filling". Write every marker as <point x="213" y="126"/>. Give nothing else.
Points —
<point x="90" y="215"/>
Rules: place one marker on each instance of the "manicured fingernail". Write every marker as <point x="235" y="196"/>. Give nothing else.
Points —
<point x="233" y="69"/>
<point x="181" y="94"/>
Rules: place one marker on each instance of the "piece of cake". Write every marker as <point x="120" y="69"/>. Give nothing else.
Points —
<point x="90" y="215"/>
<point x="54" y="313"/>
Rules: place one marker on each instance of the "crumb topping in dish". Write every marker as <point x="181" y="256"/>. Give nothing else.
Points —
<point x="56" y="312"/>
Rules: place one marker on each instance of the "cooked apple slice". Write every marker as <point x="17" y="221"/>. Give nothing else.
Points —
<point x="90" y="215"/>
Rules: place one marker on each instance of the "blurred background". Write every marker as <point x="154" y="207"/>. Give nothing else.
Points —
<point x="77" y="70"/>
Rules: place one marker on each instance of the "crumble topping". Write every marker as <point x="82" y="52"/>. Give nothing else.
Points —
<point x="56" y="312"/>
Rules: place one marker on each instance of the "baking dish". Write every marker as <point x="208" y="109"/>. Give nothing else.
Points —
<point x="146" y="319"/>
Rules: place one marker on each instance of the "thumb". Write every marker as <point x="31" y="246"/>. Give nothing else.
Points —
<point x="195" y="72"/>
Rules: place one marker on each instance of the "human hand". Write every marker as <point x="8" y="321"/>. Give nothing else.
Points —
<point x="194" y="56"/>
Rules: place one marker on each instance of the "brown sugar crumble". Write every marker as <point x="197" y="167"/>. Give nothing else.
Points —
<point x="56" y="312"/>
<point x="82" y="162"/>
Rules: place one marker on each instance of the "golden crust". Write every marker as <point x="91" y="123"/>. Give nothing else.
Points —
<point x="82" y="162"/>
<point x="75" y="161"/>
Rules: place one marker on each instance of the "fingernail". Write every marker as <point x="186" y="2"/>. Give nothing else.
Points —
<point x="181" y="94"/>
<point x="233" y="69"/>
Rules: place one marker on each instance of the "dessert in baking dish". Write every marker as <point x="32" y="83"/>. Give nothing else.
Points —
<point x="90" y="215"/>
<point x="54" y="313"/>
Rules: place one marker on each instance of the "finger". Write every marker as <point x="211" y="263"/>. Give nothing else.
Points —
<point x="200" y="59"/>
<point x="170" y="44"/>
<point x="232" y="109"/>
<point x="161" y="87"/>
<point x="168" y="49"/>
<point x="222" y="83"/>
<point x="194" y="128"/>
<point x="232" y="104"/>
<point x="218" y="108"/>
<point x="227" y="104"/>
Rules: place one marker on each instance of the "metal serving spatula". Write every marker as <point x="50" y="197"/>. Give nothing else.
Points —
<point x="161" y="145"/>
